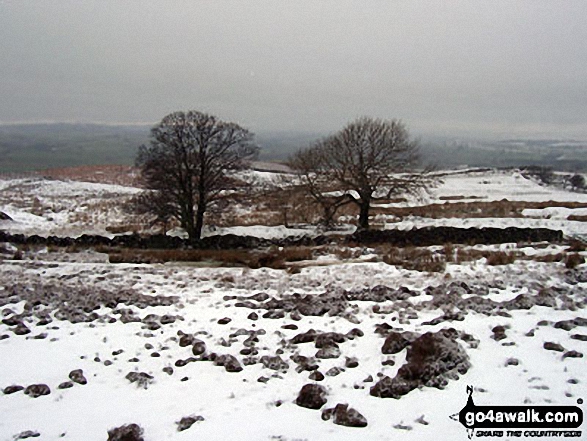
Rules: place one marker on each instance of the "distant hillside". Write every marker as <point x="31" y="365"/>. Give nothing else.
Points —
<point x="40" y="146"/>
<point x="27" y="147"/>
<point x="558" y="154"/>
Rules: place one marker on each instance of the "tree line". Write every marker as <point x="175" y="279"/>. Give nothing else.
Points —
<point x="188" y="165"/>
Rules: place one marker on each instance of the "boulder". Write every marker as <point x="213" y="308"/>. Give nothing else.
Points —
<point x="129" y="432"/>
<point x="312" y="396"/>
<point x="342" y="415"/>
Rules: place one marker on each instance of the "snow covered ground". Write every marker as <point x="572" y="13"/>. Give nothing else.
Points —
<point x="110" y="320"/>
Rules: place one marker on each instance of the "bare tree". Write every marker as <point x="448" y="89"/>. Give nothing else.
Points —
<point x="577" y="181"/>
<point x="188" y="161"/>
<point x="316" y="180"/>
<point x="368" y="160"/>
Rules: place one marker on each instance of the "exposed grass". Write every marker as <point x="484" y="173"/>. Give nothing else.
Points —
<point x="413" y="258"/>
<point x="503" y="208"/>
<point x="273" y="257"/>
<point x="574" y="260"/>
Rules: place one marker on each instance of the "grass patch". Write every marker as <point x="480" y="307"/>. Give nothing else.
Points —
<point x="274" y="257"/>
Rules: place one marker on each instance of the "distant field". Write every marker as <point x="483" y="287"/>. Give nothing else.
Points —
<point x="43" y="146"/>
<point x="27" y="147"/>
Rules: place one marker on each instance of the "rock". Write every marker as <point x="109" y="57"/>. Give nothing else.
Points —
<point x="21" y="329"/>
<point x="198" y="347"/>
<point x="168" y="370"/>
<point x="65" y="385"/>
<point x="305" y="337"/>
<point x="186" y="422"/>
<point x="580" y="337"/>
<point x="295" y="315"/>
<point x="77" y="376"/>
<point x="334" y="371"/>
<point x="394" y="343"/>
<point x="275" y="363"/>
<point x="230" y="363"/>
<point x="328" y="352"/>
<point x="129" y="432"/>
<point x="316" y="376"/>
<point x="142" y="379"/>
<point x="328" y="339"/>
<point x="274" y="314"/>
<point x="567" y="325"/>
<point x="354" y="333"/>
<point x="351" y="362"/>
<point x="27" y="434"/>
<point x="550" y="346"/>
<point x="262" y="379"/>
<point x="12" y="389"/>
<point x="185" y="339"/>
<point x="253" y="316"/>
<point x="304" y="363"/>
<point x="37" y="390"/>
<point x="573" y="354"/>
<point x="512" y="362"/>
<point x="224" y="321"/>
<point x="430" y="360"/>
<point x="312" y="396"/>
<point x="291" y="326"/>
<point x="499" y="333"/>
<point x="344" y="416"/>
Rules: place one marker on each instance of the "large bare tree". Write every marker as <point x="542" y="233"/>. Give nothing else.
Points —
<point x="188" y="161"/>
<point x="368" y="160"/>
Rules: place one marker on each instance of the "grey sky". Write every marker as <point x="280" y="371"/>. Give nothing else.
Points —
<point x="485" y="66"/>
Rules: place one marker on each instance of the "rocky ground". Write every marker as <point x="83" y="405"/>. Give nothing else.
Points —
<point x="186" y="352"/>
<point x="332" y="339"/>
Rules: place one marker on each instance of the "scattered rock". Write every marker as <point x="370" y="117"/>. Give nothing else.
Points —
<point x="27" y="434"/>
<point x="77" y="376"/>
<point x="129" y="432"/>
<point x="328" y="352"/>
<point x="275" y="363"/>
<point x="12" y="389"/>
<point x="431" y="359"/>
<point x="37" y="390"/>
<point x="499" y="333"/>
<point x="573" y="354"/>
<point x="65" y="385"/>
<point x="230" y="363"/>
<point x="580" y="337"/>
<point x="305" y="337"/>
<point x="253" y="316"/>
<point x="312" y="396"/>
<point x="328" y="339"/>
<point x="550" y="346"/>
<point x="512" y="362"/>
<point x="198" y="347"/>
<point x="334" y="371"/>
<point x="224" y="321"/>
<point x="316" y="375"/>
<point x="351" y="362"/>
<point x="186" y="422"/>
<point x="142" y="379"/>
<point x="344" y="416"/>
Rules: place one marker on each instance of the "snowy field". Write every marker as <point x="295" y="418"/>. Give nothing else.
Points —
<point x="230" y="349"/>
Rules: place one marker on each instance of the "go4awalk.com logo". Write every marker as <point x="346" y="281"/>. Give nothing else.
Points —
<point x="520" y="421"/>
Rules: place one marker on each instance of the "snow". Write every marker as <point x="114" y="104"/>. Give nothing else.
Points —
<point x="236" y="405"/>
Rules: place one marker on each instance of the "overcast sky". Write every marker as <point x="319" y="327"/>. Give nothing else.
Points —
<point x="484" y="66"/>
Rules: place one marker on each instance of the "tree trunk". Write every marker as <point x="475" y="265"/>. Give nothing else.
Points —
<point x="200" y="211"/>
<point x="364" y="207"/>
